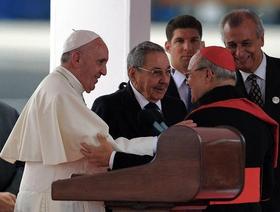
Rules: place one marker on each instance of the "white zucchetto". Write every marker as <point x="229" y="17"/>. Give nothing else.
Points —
<point x="77" y="39"/>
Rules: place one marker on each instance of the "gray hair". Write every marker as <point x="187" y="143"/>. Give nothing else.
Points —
<point x="236" y="17"/>
<point x="220" y="73"/>
<point x="136" y="57"/>
<point x="65" y="57"/>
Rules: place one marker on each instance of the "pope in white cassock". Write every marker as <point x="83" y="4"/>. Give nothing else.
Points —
<point x="55" y="121"/>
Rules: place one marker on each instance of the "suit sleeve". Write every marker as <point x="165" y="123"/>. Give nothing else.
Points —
<point x="103" y="108"/>
<point x="11" y="177"/>
<point x="125" y="160"/>
<point x="13" y="187"/>
<point x="99" y="107"/>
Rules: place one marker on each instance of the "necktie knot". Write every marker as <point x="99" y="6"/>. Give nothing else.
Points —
<point x="151" y="105"/>
<point x="252" y="78"/>
<point x="255" y="94"/>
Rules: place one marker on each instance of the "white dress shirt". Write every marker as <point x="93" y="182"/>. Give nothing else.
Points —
<point x="181" y="84"/>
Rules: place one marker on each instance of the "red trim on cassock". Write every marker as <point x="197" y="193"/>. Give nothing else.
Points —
<point x="253" y="109"/>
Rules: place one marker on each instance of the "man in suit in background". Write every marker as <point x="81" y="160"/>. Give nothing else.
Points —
<point x="258" y="74"/>
<point x="126" y="112"/>
<point x="10" y="174"/>
<point x="184" y="34"/>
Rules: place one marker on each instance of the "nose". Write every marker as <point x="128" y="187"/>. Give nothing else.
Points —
<point x="187" y="46"/>
<point x="104" y="70"/>
<point x="189" y="82"/>
<point x="239" y="51"/>
<point x="165" y="77"/>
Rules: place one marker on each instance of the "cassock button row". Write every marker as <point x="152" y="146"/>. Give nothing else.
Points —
<point x="275" y="100"/>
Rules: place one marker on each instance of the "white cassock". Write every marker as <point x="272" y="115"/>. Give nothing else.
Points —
<point x="47" y="137"/>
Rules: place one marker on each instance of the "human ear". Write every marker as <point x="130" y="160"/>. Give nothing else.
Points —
<point x="131" y="73"/>
<point x="76" y="57"/>
<point x="202" y="44"/>
<point x="262" y="40"/>
<point x="167" y="46"/>
<point x="209" y="74"/>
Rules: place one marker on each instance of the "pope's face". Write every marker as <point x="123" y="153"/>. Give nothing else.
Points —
<point x="184" y="44"/>
<point x="244" y="45"/>
<point x="93" y="63"/>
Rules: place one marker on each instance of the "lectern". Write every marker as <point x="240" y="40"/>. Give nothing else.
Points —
<point x="192" y="166"/>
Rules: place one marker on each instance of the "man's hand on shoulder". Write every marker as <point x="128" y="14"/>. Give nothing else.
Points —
<point x="187" y="123"/>
<point x="7" y="201"/>
<point x="98" y="155"/>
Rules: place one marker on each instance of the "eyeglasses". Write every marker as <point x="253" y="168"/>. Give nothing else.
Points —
<point x="157" y="72"/>
<point x="189" y="72"/>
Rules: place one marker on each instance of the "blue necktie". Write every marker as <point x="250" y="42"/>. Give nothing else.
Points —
<point x="189" y="100"/>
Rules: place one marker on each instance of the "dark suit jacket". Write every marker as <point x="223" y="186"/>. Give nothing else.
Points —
<point x="120" y="111"/>
<point x="172" y="89"/>
<point x="272" y="89"/>
<point x="10" y="174"/>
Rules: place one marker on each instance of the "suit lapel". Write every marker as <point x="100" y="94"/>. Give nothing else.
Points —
<point x="272" y="84"/>
<point x="132" y="107"/>
<point x="240" y="85"/>
<point x="167" y="114"/>
<point x="172" y="89"/>
<point x="170" y="114"/>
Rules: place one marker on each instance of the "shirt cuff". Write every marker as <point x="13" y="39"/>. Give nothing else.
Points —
<point x="111" y="161"/>
<point x="155" y="141"/>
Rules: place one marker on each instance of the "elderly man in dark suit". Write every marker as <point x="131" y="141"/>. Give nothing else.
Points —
<point x="124" y="111"/>
<point x="10" y="174"/>
<point x="258" y="74"/>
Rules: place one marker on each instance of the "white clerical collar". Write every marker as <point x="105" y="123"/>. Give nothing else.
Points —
<point x="141" y="99"/>
<point x="260" y="71"/>
<point x="73" y="81"/>
<point x="178" y="77"/>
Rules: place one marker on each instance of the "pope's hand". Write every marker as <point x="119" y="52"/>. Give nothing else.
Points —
<point x="98" y="155"/>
